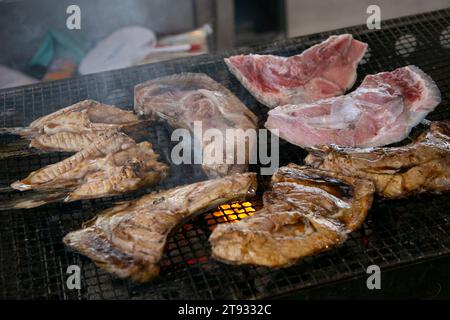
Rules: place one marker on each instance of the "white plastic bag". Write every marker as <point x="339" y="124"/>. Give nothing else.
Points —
<point x="123" y="48"/>
<point x="13" y="78"/>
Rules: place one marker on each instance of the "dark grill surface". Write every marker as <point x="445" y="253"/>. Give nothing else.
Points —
<point x="33" y="260"/>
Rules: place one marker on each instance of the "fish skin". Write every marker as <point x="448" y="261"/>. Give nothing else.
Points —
<point x="73" y="128"/>
<point x="88" y="113"/>
<point x="112" y="164"/>
<point x="422" y="166"/>
<point x="47" y="174"/>
<point x="306" y="211"/>
<point x="64" y="141"/>
<point x="183" y="98"/>
<point x="128" y="239"/>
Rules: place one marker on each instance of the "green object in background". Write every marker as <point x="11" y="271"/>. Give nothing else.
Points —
<point x="54" y="45"/>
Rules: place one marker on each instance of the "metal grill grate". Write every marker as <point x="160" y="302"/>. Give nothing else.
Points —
<point x="33" y="260"/>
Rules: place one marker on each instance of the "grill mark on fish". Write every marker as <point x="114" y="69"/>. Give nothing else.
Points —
<point x="128" y="240"/>
<point x="96" y="172"/>
<point x="299" y="218"/>
<point x="75" y="127"/>
<point x="63" y="141"/>
<point x="397" y="172"/>
<point x="331" y="185"/>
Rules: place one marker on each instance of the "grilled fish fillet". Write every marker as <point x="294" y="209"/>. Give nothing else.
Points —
<point x="307" y="211"/>
<point x="75" y="127"/>
<point x="128" y="240"/>
<point x="422" y="166"/>
<point x="113" y="164"/>
<point x="185" y="98"/>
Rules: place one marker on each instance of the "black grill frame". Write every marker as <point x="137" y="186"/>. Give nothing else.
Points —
<point x="33" y="260"/>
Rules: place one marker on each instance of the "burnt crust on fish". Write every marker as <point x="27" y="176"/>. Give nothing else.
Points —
<point x="306" y="211"/>
<point x="113" y="164"/>
<point x="63" y="141"/>
<point x="185" y="98"/>
<point x="75" y="127"/>
<point x="397" y="172"/>
<point x="128" y="239"/>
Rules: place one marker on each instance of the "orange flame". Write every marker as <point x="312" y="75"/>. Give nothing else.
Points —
<point x="229" y="213"/>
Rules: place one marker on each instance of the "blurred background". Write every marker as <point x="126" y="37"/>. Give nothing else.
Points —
<point x="37" y="45"/>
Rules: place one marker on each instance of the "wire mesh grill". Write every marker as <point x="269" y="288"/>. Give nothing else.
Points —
<point x="33" y="260"/>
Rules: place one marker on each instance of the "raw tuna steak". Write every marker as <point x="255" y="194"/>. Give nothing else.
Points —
<point x="325" y="70"/>
<point x="381" y="111"/>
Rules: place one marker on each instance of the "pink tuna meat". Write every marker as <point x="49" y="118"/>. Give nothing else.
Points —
<point x="383" y="110"/>
<point x="325" y="70"/>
